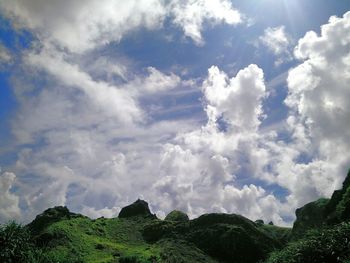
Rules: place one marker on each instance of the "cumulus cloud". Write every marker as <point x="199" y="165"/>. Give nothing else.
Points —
<point x="85" y="139"/>
<point x="89" y="146"/>
<point x="317" y="159"/>
<point x="9" y="208"/>
<point x="200" y="171"/>
<point x="320" y="99"/>
<point x="237" y="99"/>
<point x="191" y="15"/>
<point x="255" y="203"/>
<point x="96" y="163"/>
<point x="278" y="42"/>
<point x="94" y="148"/>
<point x="308" y="165"/>
<point x="82" y="25"/>
<point x="189" y="180"/>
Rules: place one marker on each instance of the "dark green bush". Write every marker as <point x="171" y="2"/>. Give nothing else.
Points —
<point x="343" y="207"/>
<point x="132" y="259"/>
<point x="328" y="245"/>
<point x="177" y="216"/>
<point x="16" y="245"/>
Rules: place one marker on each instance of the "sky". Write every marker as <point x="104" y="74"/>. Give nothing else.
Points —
<point x="202" y="106"/>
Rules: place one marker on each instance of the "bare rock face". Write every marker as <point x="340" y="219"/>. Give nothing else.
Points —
<point x="138" y="208"/>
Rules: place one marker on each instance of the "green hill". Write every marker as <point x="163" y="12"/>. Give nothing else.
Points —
<point x="138" y="236"/>
<point x="141" y="237"/>
<point x="321" y="233"/>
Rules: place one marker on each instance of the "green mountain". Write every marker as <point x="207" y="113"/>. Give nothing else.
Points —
<point x="321" y="233"/>
<point x="139" y="236"/>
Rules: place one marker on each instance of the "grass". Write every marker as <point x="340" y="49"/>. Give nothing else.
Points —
<point x="81" y="239"/>
<point x="101" y="240"/>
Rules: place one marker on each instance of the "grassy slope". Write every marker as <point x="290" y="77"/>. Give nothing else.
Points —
<point x="120" y="240"/>
<point x="100" y="240"/>
<point x="111" y="240"/>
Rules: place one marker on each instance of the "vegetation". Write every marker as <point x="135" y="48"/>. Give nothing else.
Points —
<point x="321" y="233"/>
<point x="16" y="244"/>
<point x="311" y="215"/>
<point x="327" y="245"/>
<point x="177" y="216"/>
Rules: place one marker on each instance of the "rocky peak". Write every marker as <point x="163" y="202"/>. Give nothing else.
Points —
<point x="50" y="216"/>
<point x="138" y="208"/>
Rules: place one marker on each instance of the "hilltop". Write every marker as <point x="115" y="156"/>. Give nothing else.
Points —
<point x="139" y="236"/>
<point x="320" y="234"/>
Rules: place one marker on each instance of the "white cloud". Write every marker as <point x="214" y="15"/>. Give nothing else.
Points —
<point x="191" y="15"/>
<point x="86" y="140"/>
<point x="277" y="41"/>
<point x="155" y="82"/>
<point x="82" y="25"/>
<point x="105" y="212"/>
<point x="94" y="149"/>
<point x="5" y="55"/>
<point x="201" y="182"/>
<point x="317" y="159"/>
<point x="318" y="88"/>
<point x="111" y="99"/>
<point x="112" y="70"/>
<point x="198" y="172"/>
<point x="96" y="163"/>
<point x="9" y="209"/>
<point x="238" y="99"/>
<point x="88" y="147"/>
<point x="255" y="203"/>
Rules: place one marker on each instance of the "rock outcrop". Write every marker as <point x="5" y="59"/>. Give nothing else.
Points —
<point x="309" y="216"/>
<point x="50" y="216"/>
<point x="324" y="211"/>
<point x="138" y="208"/>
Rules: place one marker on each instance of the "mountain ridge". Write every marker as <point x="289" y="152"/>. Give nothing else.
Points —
<point x="319" y="234"/>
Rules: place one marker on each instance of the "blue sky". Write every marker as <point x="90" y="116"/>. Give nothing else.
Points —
<point x="201" y="105"/>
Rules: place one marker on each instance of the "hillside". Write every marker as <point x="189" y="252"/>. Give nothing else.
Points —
<point x="138" y="236"/>
<point x="321" y="233"/>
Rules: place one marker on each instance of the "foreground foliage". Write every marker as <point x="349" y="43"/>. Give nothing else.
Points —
<point x="16" y="244"/>
<point x="321" y="232"/>
<point x="328" y="245"/>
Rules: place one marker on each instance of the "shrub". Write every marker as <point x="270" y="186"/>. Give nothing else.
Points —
<point x="131" y="259"/>
<point x="329" y="245"/>
<point x="16" y="244"/>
